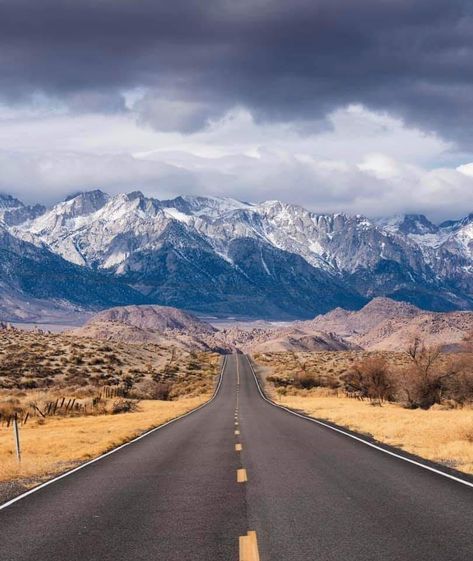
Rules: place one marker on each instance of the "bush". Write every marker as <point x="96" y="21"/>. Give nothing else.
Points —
<point x="306" y="381"/>
<point x="424" y="382"/>
<point x="124" y="406"/>
<point x="278" y="381"/>
<point x="459" y="387"/>
<point x="148" y="389"/>
<point x="370" y="379"/>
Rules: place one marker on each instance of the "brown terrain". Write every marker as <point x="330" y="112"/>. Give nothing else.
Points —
<point x="383" y="324"/>
<point x="69" y="366"/>
<point x="76" y="397"/>
<point x="161" y="325"/>
<point x="420" y="399"/>
<point x="150" y="363"/>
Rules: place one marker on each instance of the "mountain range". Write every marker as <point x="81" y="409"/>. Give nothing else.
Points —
<point x="224" y="257"/>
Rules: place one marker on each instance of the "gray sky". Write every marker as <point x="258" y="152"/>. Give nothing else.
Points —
<point x="362" y="106"/>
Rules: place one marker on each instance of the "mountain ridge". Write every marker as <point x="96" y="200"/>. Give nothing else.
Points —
<point x="271" y="259"/>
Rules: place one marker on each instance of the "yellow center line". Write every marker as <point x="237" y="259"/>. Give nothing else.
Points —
<point x="249" y="547"/>
<point x="242" y="476"/>
<point x="238" y="447"/>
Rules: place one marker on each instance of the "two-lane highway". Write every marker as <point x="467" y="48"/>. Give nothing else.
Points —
<point x="237" y="473"/>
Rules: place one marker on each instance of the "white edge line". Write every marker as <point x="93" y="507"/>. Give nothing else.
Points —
<point x="147" y="433"/>
<point x="370" y="444"/>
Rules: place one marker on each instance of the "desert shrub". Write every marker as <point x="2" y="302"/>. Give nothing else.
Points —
<point x="128" y="382"/>
<point x="279" y="381"/>
<point x="429" y="379"/>
<point x="10" y="407"/>
<point x="28" y="384"/>
<point x="306" y="381"/>
<point x="193" y="365"/>
<point x="424" y="382"/>
<point x="124" y="406"/>
<point x="170" y="369"/>
<point x="149" y="389"/>
<point x="96" y="361"/>
<point x="459" y="386"/>
<point x="369" y="379"/>
<point x="163" y="391"/>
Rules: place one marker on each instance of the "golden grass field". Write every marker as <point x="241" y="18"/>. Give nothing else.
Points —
<point x="443" y="436"/>
<point x="443" y="433"/>
<point x="61" y="442"/>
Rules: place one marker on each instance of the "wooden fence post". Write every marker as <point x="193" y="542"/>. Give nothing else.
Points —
<point x="16" y="433"/>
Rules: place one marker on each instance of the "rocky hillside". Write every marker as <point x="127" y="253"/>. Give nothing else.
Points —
<point x="170" y="327"/>
<point x="161" y="325"/>
<point x="272" y="259"/>
<point x="158" y="318"/>
<point x="382" y="324"/>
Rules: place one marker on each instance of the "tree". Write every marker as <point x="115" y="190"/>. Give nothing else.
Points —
<point x="424" y="381"/>
<point x="371" y="379"/>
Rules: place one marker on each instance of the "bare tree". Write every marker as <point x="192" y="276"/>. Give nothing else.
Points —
<point x="425" y="380"/>
<point x="370" y="379"/>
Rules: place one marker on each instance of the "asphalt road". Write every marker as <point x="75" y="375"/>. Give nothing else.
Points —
<point x="311" y="494"/>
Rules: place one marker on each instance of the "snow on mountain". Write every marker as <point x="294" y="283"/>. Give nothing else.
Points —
<point x="408" y="224"/>
<point x="13" y="211"/>
<point x="447" y="249"/>
<point x="209" y="246"/>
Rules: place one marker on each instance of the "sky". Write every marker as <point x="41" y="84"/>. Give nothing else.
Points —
<point x="336" y="105"/>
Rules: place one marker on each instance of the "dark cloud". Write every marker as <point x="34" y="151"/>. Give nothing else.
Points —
<point x="286" y="60"/>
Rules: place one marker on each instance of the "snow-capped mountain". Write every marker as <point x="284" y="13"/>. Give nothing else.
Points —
<point x="273" y="259"/>
<point x="13" y="211"/>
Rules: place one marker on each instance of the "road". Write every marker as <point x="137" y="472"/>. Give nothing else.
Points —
<point x="186" y="492"/>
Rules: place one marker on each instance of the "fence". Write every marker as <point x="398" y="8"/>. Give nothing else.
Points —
<point x="61" y="406"/>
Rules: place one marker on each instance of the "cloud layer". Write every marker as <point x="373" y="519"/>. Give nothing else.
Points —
<point x="338" y="105"/>
<point x="282" y="60"/>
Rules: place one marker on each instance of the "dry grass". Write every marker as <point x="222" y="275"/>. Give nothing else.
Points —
<point x="40" y="373"/>
<point x="57" y="444"/>
<point x="36" y="360"/>
<point x="444" y="436"/>
<point x="37" y="369"/>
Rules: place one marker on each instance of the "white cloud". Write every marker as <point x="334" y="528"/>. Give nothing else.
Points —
<point x="466" y="169"/>
<point x="362" y="162"/>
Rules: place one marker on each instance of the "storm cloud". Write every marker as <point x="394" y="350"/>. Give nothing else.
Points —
<point x="338" y="105"/>
<point x="284" y="61"/>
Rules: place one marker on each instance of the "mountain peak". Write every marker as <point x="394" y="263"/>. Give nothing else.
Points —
<point x="456" y="224"/>
<point x="86" y="202"/>
<point x="8" y="202"/>
<point x="216" y="254"/>
<point x="135" y="195"/>
<point x="409" y="224"/>
<point x="388" y="306"/>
